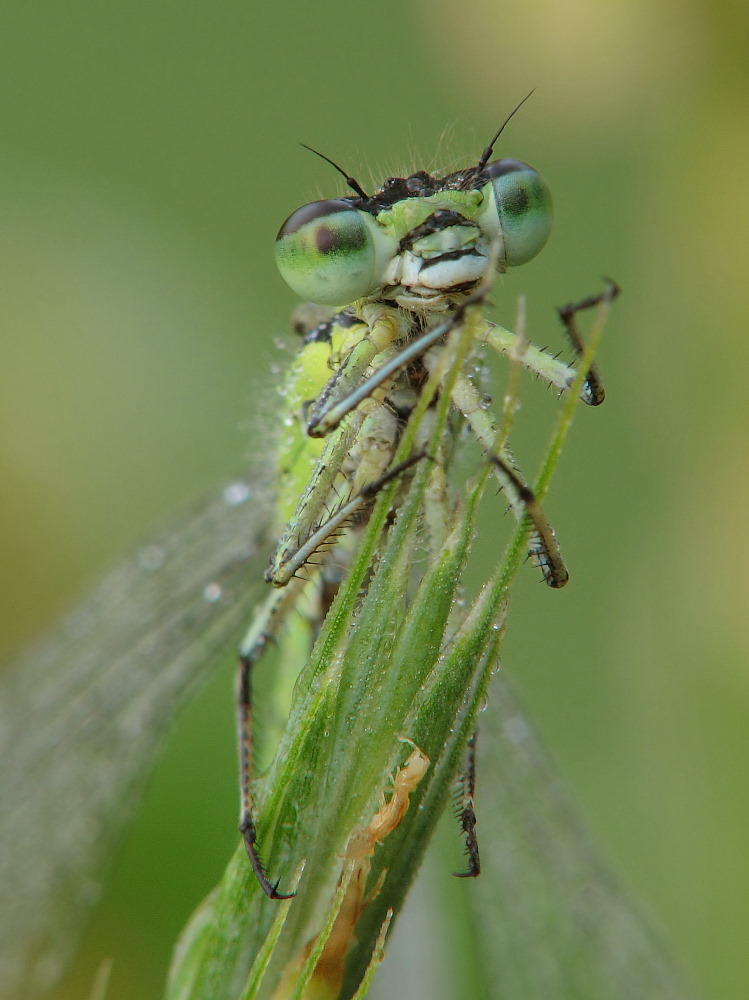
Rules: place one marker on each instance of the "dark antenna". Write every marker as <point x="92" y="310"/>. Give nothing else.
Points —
<point x="484" y="158"/>
<point x="351" y="181"/>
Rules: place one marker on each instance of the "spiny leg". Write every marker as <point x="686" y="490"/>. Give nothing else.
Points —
<point x="314" y="503"/>
<point x="268" y="620"/>
<point x="465" y="813"/>
<point x="534" y="359"/>
<point x="537" y="361"/>
<point x="321" y="512"/>
<point x="341" y="517"/>
<point x="543" y="547"/>
<point x="568" y="316"/>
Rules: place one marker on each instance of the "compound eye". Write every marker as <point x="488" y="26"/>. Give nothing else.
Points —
<point x="524" y="209"/>
<point x="326" y="252"/>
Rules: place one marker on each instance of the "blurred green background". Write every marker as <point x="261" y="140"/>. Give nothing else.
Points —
<point x="149" y="154"/>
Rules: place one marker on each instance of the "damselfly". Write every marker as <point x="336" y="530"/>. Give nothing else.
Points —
<point x="413" y="259"/>
<point x="81" y="712"/>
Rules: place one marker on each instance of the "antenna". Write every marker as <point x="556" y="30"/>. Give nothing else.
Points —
<point x="484" y="158"/>
<point x="351" y="181"/>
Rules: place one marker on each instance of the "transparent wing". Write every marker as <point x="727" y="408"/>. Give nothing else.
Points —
<point x="82" y="712"/>
<point x="570" y="930"/>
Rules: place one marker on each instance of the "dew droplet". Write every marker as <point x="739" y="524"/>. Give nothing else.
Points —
<point x="236" y="493"/>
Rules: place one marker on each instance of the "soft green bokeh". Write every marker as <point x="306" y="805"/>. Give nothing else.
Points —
<point x="149" y="156"/>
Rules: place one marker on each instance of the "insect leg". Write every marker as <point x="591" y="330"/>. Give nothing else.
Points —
<point x="568" y="316"/>
<point x="342" y="517"/>
<point x="543" y="547"/>
<point x="314" y="503"/>
<point x="536" y="360"/>
<point x="268" y="620"/>
<point x="465" y="813"/>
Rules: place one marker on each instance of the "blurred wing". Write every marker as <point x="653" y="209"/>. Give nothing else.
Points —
<point x="82" y="712"/>
<point x="569" y="928"/>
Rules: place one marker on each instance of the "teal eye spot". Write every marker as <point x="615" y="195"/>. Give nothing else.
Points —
<point x="523" y="205"/>
<point x="326" y="252"/>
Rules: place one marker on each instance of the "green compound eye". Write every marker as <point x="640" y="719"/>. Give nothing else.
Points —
<point x="326" y="251"/>
<point x="522" y="201"/>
